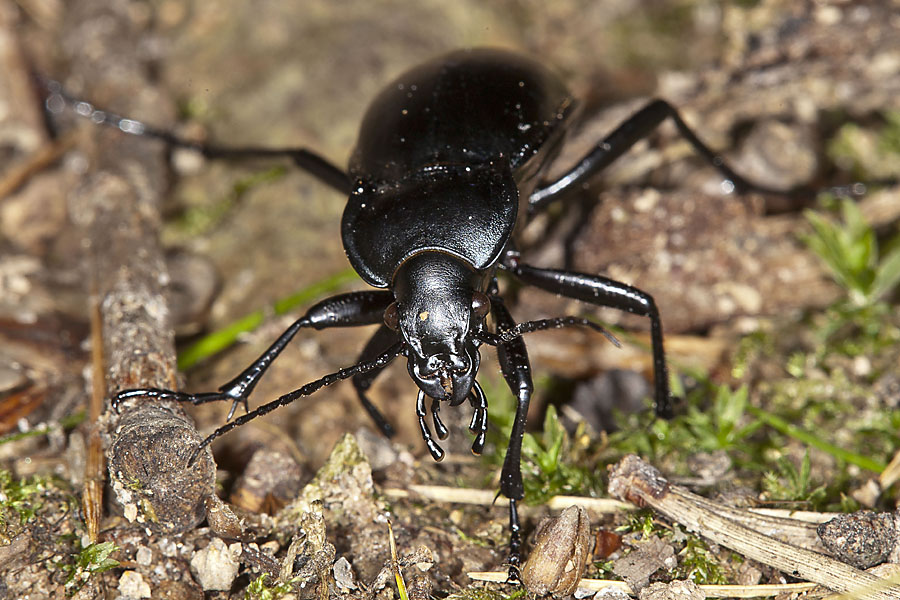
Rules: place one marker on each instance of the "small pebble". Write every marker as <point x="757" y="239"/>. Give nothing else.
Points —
<point x="214" y="567"/>
<point x="221" y="518"/>
<point x="675" y="590"/>
<point x="343" y="575"/>
<point x="862" y="539"/>
<point x="143" y="556"/>
<point x="132" y="585"/>
<point x="611" y="593"/>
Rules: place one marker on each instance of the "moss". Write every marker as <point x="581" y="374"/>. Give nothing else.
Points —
<point x="20" y="500"/>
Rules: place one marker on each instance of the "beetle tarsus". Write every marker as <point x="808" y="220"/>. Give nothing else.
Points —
<point x="514" y="560"/>
<point x="513" y="577"/>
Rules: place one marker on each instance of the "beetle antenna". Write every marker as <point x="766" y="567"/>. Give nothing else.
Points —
<point x="507" y="335"/>
<point x="308" y="389"/>
<point x="58" y="99"/>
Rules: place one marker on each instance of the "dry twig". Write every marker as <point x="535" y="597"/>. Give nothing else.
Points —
<point x="637" y="482"/>
<point x="711" y="591"/>
<point x="117" y="209"/>
<point x="440" y="493"/>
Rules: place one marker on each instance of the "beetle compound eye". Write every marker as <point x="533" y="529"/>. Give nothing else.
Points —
<point x="481" y="305"/>
<point x="392" y="316"/>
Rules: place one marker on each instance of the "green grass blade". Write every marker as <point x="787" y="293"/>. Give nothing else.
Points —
<point x="887" y="276"/>
<point x="795" y="432"/>
<point x="217" y="341"/>
<point x="66" y="423"/>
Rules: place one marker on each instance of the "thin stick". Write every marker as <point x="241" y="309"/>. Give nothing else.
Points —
<point x="637" y="482"/>
<point x="711" y="591"/>
<point x="891" y="472"/>
<point x="439" y="493"/>
<point x="92" y="491"/>
<point x="117" y="210"/>
<point x="40" y="160"/>
<point x="781" y="519"/>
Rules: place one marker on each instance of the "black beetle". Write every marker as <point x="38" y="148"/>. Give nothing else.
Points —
<point x="449" y="164"/>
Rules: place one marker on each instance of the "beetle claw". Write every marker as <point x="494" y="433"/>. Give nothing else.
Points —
<point x="234" y="405"/>
<point x="513" y="577"/>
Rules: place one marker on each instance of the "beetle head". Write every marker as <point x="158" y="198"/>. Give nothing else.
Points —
<point x="438" y="303"/>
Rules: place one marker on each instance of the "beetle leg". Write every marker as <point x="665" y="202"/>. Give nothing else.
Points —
<point x="437" y="453"/>
<point x="626" y="135"/>
<point x="382" y="339"/>
<point x="516" y="369"/>
<point x="344" y="310"/>
<point x="602" y="291"/>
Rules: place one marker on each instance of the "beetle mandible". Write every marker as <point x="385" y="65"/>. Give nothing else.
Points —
<point x="450" y="163"/>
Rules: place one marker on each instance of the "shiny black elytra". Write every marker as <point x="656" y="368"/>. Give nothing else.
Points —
<point x="449" y="164"/>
